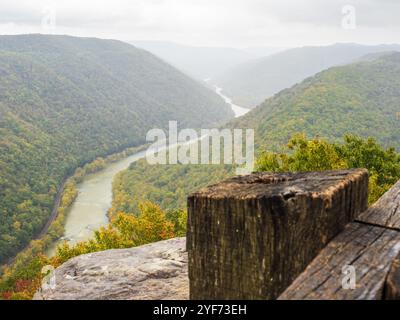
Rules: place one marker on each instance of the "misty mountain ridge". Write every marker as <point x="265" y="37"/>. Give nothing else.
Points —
<point x="203" y="62"/>
<point x="361" y="98"/>
<point x="251" y="83"/>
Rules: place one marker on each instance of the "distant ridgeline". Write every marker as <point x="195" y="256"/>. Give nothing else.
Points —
<point x="65" y="101"/>
<point x="250" y="83"/>
<point x="361" y="98"/>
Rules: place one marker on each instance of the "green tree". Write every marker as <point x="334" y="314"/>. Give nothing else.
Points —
<point x="318" y="155"/>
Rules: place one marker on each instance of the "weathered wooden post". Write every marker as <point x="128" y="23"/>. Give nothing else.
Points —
<point x="250" y="237"/>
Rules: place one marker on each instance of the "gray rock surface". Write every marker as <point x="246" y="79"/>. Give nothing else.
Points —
<point x="153" y="271"/>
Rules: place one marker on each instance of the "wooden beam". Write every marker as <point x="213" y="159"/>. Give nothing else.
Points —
<point x="370" y="250"/>
<point x="392" y="286"/>
<point x="250" y="237"/>
<point x="386" y="211"/>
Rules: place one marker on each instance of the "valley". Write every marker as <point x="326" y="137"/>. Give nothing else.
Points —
<point x="74" y="112"/>
<point x="66" y="101"/>
<point x="89" y="210"/>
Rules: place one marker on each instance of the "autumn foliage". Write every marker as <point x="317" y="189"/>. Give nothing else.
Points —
<point x="149" y="224"/>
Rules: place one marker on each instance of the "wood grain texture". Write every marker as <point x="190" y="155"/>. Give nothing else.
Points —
<point x="392" y="286"/>
<point x="386" y="211"/>
<point x="371" y="250"/>
<point x="250" y="237"/>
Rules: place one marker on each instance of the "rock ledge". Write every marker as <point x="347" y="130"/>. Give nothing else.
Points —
<point x="154" y="271"/>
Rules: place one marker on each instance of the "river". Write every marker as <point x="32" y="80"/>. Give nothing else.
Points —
<point x="89" y="210"/>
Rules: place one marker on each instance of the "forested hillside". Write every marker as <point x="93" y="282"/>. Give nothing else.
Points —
<point x="165" y="185"/>
<point x="64" y="101"/>
<point x="251" y="83"/>
<point x="361" y="98"/>
<point x="169" y="186"/>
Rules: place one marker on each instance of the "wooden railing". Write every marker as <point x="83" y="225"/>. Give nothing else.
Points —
<point x="294" y="236"/>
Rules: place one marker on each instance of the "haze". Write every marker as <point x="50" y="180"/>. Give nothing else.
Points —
<point x="222" y="23"/>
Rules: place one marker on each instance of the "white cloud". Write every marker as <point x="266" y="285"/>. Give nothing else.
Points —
<point x="210" y="22"/>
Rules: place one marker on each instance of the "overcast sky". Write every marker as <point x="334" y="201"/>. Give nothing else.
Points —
<point x="235" y="23"/>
